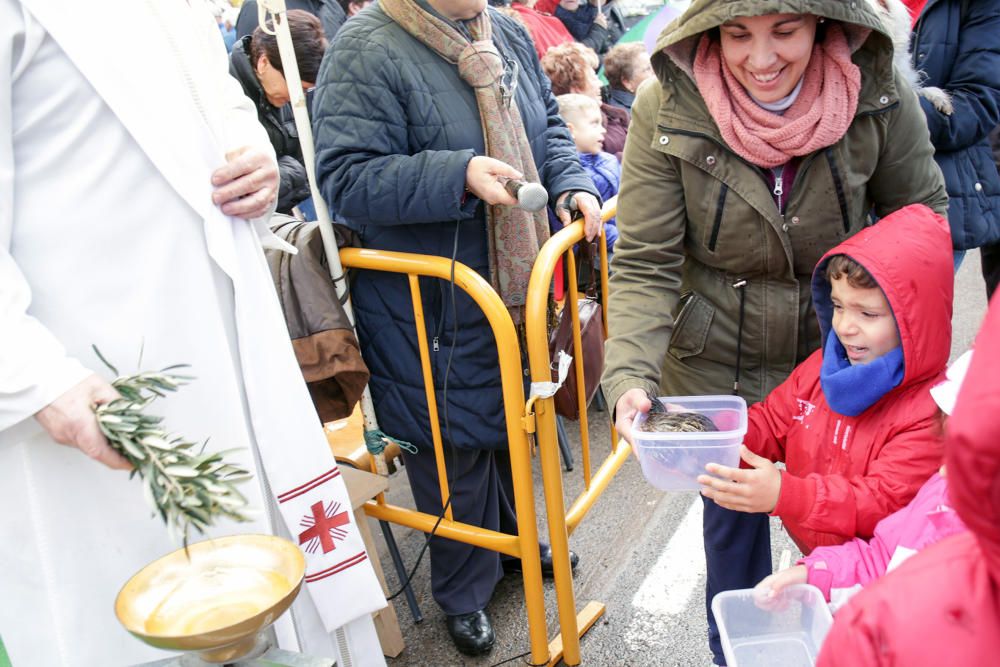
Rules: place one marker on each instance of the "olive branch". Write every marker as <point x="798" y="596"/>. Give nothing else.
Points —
<point x="186" y="486"/>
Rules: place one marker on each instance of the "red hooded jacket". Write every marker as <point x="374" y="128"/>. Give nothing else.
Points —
<point x="546" y="30"/>
<point x="845" y="474"/>
<point x="942" y="606"/>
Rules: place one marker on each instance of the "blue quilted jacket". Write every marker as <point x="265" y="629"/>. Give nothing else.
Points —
<point x="964" y="60"/>
<point x="395" y="129"/>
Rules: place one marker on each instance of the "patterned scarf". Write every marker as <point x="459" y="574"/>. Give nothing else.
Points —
<point x="515" y="235"/>
<point x="819" y="117"/>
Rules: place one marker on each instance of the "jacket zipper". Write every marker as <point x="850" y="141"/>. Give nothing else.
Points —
<point x="838" y="186"/>
<point x="779" y="187"/>
<point x="760" y="172"/>
<point x="720" y="205"/>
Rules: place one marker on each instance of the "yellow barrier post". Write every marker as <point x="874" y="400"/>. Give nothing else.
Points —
<point x="524" y="545"/>
<point x="561" y="523"/>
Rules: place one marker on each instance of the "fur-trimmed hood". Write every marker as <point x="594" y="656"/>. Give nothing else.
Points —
<point x="679" y="40"/>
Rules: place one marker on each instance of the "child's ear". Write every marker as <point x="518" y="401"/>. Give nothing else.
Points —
<point x="572" y="130"/>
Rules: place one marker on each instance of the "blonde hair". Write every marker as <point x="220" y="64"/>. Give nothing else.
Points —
<point x="571" y="105"/>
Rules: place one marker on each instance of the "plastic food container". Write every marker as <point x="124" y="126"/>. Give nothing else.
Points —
<point x="673" y="461"/>
<point x="789" y="634"/>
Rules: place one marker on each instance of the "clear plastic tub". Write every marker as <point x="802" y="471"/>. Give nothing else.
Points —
<point x="789" y="632"/>
<point x="673" y="461"/>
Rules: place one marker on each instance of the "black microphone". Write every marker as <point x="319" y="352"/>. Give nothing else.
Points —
<point x="530" y="196"/>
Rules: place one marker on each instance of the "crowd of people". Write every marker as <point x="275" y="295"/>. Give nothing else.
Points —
<point x="792" y="208"/>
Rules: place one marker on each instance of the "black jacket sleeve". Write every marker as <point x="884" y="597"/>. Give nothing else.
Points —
<point x="294" y="185"/>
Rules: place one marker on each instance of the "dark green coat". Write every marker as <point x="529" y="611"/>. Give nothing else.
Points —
<point x="694" y="218"/>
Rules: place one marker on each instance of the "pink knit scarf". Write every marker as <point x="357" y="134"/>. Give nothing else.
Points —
<point x="819" y="117"/>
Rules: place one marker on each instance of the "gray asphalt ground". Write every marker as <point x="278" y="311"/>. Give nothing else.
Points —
<point x="640" y="553"/>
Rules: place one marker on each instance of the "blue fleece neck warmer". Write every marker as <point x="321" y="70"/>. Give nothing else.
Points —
<point x="850" y="390"/>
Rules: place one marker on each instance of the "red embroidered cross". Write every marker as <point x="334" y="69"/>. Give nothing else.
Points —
<point x="323" y="526"/>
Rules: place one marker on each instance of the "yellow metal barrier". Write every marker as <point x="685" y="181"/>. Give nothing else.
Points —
<point x="541" y="411"/>
<point x="524" y="545"/>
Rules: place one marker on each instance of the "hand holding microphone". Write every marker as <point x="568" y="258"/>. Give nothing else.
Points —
<point x="485" y="178"/>
<point x="498" y="183"/>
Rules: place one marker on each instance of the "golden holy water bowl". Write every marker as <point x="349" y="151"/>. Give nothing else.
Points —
<point x="216" y="601"/>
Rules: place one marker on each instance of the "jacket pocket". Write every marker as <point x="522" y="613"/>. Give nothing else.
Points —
<point x="838" y="187"/>
<point x="720" y="207"/>
<point x="691" y="327"/>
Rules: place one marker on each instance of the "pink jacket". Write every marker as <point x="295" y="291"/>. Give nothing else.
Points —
<point x="926" y="520"/>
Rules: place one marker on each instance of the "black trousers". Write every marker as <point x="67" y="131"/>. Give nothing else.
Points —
<point x="990" y="255"/>
<point x="737" y="555"/>
<point x="462" y="576"/>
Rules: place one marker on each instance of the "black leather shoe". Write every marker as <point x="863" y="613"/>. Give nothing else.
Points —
<point x="472" y="632"/>
<point x="514" y="564"/>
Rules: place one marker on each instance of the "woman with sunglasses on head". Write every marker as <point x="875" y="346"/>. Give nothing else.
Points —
<point x="770" y="134"/>
<point x="424" y="110"/>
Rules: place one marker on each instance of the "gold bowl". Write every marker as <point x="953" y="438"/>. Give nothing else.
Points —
<point x="217" y="601"/>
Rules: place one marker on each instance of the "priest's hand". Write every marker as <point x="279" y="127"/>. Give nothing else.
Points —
<point x="70" y="420"/>
<point x="743" y="490"/>
<point x="247" y="185"/>
<point x="587" y="205"/>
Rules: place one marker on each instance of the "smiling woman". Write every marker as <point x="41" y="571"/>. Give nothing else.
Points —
<point x="768" y="54"/>
<point x="764" y="142"/>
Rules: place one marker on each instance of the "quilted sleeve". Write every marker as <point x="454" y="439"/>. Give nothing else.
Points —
<point x="363" y="161"/>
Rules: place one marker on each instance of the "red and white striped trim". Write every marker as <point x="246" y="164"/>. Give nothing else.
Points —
<point x="339" y="567"/>
<point x="309" y="486"/>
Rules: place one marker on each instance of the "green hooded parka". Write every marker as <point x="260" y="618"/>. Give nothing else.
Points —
<point x="700" y="230"/>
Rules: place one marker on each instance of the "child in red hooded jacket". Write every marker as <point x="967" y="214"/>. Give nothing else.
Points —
<point x="855" y="423"/>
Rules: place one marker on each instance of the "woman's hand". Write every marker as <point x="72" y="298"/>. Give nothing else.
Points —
<point x="247" y="185"/>
<point x="767" y="594"/>
<point x="70" y="420"/>
<point x="629" y="405"/>
<point x="485" y="178"/>
<point x="588" y="207"/>
<point x="742" y="490"/>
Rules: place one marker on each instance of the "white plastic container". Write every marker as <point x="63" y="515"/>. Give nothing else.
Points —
<point x="673" y="461"/>
<point x="789" y="634"/>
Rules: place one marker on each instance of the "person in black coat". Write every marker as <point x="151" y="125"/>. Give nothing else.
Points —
<point x="990" y="253"/>
<point x="256" y="64"/>
<point x="401" y="157"/>
<point x="956" y="45"/>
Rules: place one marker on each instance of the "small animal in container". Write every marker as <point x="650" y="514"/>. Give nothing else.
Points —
<point x="679" y="436"/>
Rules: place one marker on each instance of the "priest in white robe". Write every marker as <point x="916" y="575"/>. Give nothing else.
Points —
<point x="134" y="182"/>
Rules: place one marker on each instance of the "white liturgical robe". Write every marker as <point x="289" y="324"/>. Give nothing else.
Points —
<point x="113" y="115"/>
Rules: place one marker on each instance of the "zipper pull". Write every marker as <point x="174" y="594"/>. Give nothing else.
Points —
<point x="435" y="344"/>
<point x="779" y="185"/>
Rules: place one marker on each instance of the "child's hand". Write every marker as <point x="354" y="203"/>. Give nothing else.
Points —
<point x="767" y="594"/>
<point x="749" y="490"/>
